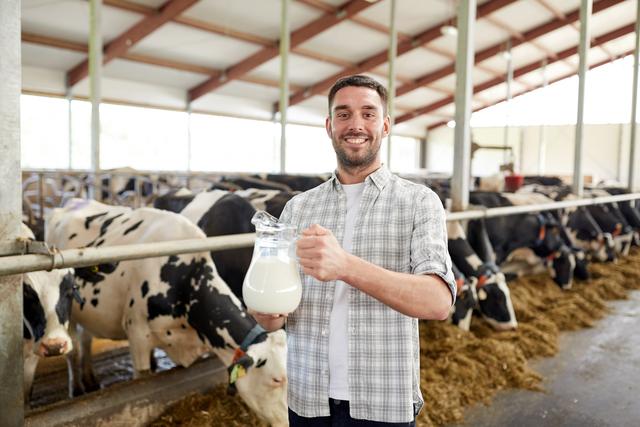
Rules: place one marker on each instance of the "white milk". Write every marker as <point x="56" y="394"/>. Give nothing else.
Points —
<point x="272" y="285"/>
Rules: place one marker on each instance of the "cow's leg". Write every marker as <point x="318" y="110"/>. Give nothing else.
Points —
<point x="141" y="348"/>
<point x="89" y="380"/>
<point x="30" y="365"/>
<point x="73" y="363"/>
<point x="153" y="362"/>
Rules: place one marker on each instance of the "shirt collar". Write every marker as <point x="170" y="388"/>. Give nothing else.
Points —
<point x="380" y="177"/>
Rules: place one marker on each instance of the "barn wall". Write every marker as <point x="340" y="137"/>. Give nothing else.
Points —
<point x="606" y="148"/>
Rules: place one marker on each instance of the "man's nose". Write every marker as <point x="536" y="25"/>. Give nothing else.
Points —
<point x="356" y="123"/>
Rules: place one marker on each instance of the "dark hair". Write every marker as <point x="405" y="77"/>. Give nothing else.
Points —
<point x="360" y="81"/>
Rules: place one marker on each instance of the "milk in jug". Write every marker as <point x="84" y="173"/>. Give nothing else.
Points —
<point x="272" y="284"/>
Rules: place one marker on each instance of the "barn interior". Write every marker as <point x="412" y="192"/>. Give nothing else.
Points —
<point x="128" y="102"/>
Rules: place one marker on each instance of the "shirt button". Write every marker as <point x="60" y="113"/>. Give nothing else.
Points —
<point x="352" y="330"/>
<point x="324" y="332"/>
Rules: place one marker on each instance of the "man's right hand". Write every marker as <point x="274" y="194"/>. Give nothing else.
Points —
<point x="270" y="322"/>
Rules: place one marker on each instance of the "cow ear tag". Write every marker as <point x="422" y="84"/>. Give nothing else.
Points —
<point x="237" y="372"/>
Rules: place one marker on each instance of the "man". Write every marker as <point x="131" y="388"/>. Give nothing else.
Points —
<point x="353" y="346"/>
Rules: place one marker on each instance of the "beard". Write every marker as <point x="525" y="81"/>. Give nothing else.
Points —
<point x="361" y="159"/>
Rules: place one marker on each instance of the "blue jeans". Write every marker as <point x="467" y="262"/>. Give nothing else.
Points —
<point x="339" y="418"/>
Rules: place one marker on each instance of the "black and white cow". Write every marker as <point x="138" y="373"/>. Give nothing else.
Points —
<point x="295" y="182"/>
<point x="494" y="298"/>
<point x="538" y="232"/>
<point x="218" y="213"/>
<point x="46" y="310"/>
<point x="177" y="303"/>
<point x="466" y="299"/>
<point x="578" y="227"/>
<point x="271" y="201"/>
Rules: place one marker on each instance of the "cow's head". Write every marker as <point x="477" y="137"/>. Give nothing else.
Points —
<point x="466" y="301"/>
<point x="561" y="265"/>
<point x="263" y="384"/>
<point x="582" y="265"/>
<point x="494" y="300"/>
<point x="47" y="308"/>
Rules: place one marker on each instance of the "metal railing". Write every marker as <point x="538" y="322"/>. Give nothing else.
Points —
<point x="83" y="257"/>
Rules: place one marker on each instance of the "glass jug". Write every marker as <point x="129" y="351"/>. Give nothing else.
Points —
<point x="272" y="284"/>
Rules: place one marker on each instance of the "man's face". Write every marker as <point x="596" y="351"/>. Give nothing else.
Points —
<point x="356" y="126"/>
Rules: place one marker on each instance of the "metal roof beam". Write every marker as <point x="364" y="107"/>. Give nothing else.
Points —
<point x="557" y="79"/>
<point x="133" y="35"/>
<point x="532" y="34"/>
<point x="298" y="37"/>
<point x="381" y="57"/>
<point x="605" y="38"/>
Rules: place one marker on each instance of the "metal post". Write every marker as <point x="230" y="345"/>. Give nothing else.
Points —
<point x="189" y="138"/>
<point x="462" y="141"/>
<point x="423" y="157"/>
<point x="505" y="141"/>
<point x="11" y="358"/>
<point x="393" y="52"/>
<point x="69" y="127"/>
<point x="585" y="17"/>
<point x="284" y="81"/>
<point x="95" y="84"/>
<point x="634" y="105"/>
<point x="620" y="157"/>
<point x="542" y="143"/>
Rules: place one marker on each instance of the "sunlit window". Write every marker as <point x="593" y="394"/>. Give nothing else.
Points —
<point x="142" y="138"/>
<point x="404" y="154"/>
<point x="309" y="150"/>
<point x="44" y="132"/>
<point x="232" y="145"/>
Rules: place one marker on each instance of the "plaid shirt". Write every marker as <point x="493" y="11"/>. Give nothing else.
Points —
<point x="400" y="227"/>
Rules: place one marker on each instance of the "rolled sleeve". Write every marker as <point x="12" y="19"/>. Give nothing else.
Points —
<point x="429" y="253"/>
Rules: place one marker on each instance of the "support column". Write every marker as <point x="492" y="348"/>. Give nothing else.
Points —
<point x="189" y="138"/>
<point x="585" y="18"/>
<point x="11" y="359"/>
<point x="393" y="52"/>
<point x="542" y="141"/>
<point x="69" y="98"/>
<point x="505" y="141"/>
<point x="634" y="107"/>
<point x="284" y="82"/>
<point x="464" y="90"/>
<point x="95" y="91"/>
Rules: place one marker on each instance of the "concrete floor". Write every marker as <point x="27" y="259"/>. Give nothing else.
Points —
<point x="594" y="380"/>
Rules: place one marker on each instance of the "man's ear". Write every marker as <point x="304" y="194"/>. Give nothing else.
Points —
<point x="386" y="126"/>
<point x="327" y="125"/>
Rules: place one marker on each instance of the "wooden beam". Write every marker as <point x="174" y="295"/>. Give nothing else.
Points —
<point x="133" y="35"/>
<point x="605" y="38"/>
<point x="144" y="59"/>
<point x="487" y="53"/>
<point x="381" y="57"/>
<point x="298" y="37"/>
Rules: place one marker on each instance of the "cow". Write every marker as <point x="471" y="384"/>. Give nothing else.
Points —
<point x="538" y="232"/>
<point x="218" y="213"/>
<point x="466" y="300"/>
<point x="295" y="182"/>
<point x="255" y="182"/>
<point x="46" y="309"/>
<point x="494" y="298"/>
<point x="578" y="227"/>
<point x="271" y="201"/>
<point x="612" y="220"/>
<point x="178" y="303"/>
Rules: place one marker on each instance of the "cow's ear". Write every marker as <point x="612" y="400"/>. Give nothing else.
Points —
<point x="236" y="371"/>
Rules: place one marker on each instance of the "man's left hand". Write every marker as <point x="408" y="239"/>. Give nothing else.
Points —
<point x="321" y="256"/>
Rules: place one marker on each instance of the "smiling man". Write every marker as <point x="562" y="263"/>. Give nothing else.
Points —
<point x="374" y="259"/>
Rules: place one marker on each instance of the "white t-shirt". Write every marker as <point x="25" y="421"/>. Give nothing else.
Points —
<point x="338" y="323"/>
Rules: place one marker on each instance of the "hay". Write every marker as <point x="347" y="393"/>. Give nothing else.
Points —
<point x="215" y="409"/>
<point x="461" y="368"/>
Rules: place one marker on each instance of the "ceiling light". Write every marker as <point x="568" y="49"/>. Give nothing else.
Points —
<point x="449" y="30"/>
<point x="451" y="123"/>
